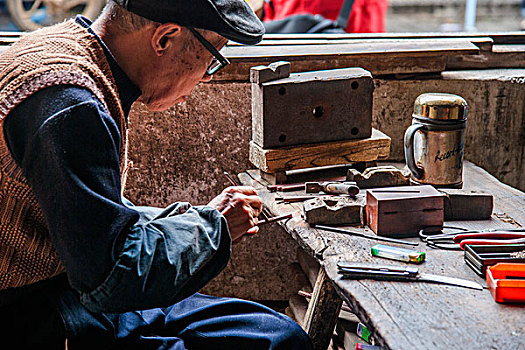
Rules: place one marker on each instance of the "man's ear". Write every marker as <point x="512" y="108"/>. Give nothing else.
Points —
<point x="163" y="36"/>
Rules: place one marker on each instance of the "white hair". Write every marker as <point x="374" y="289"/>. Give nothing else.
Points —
<point x="123" y="20"/>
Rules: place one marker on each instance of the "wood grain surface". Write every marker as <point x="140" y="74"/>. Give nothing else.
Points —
<point x="320" y="154"/>
<point x="414" y="315"/>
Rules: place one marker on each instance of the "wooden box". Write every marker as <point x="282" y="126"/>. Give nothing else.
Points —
<point x="404" y="210"/>
<point x="311" y="107"/>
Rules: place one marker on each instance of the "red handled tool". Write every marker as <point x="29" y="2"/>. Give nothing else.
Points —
<point x="489" y="238"/>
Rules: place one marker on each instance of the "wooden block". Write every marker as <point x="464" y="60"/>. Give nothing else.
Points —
<point x="312" y="107"/>
<point x="335" y="210"/>
<point x="404" y="210"/>
<point x="467" y="205"/>
<point x="381" y="176"/>
<point x="274" y="71"/>
<point x="376" y="147"/>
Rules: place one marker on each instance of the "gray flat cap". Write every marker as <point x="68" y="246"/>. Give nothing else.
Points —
<point x="233" y="19"/>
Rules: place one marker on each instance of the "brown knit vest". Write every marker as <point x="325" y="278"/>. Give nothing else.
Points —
<point x="63" y="54"/>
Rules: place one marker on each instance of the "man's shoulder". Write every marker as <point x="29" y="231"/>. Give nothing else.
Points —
<point x="53" y="99"/>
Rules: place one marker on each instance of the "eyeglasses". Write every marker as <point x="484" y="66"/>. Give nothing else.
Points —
<point x="219" y="61"/>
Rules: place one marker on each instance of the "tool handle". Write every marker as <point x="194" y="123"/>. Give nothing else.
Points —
<point x="416" y="171"/>
<point x="488" y="235"/>
<point x="490" y="242"/>
<point x="341" y="188"/>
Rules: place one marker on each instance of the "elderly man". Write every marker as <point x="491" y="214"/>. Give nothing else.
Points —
<point x="79" y="265"/>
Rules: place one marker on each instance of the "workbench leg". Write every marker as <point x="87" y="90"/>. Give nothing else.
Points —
<point x="323" y="310"/>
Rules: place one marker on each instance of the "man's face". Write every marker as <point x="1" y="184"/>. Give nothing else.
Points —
<point x="180" y="69"/>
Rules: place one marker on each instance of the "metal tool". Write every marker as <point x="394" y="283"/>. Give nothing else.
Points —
<point x="231" y="179"/>
<point x="275" y="219"/>
<point x="234" y="183"/>
<point x="286" y="188"/>
<point x="294" y="199"/>
<point x="479" y="257"/>
<point x="399" y="273"/>
<point x="489" y="238"/>
<point x="349" y="188"/>
<point x="457" y="240"/>
<point x="364" y="235"/>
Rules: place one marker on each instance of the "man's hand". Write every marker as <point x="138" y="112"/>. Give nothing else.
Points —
<point x="241" y="206"/>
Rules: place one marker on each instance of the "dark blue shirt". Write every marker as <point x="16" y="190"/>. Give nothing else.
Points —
<point x="118" y="257"/>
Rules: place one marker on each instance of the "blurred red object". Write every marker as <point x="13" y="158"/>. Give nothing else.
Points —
<point x="367" y="16"/>
<point x="506" y="282"/>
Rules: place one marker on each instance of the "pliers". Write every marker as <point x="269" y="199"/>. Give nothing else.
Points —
<point x="489" y="238"/>
<point x="458" y="240"/>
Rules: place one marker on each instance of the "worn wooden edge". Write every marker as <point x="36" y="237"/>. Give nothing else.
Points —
<point x="312" y="155"/>
<point x="239" y="70"/>
<point x="400" y="48"/>
<point x="512" y="37"/>
<point x="323" y="311"/>
<point x="484" y="41"/>
<point x="499" y="57"/>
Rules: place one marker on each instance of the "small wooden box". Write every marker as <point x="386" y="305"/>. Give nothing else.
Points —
<point x="404" y="210"/>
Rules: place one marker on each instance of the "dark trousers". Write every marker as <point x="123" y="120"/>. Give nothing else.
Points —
<point x="197" y="322"/>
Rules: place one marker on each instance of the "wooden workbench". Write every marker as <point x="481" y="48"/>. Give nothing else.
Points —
<point x="410" y="315"/>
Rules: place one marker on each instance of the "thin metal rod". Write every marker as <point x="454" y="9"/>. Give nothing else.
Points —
<point x="364" y="235"/>
<point x="274" y="219"/>
<point x="231" y="179"/>
<point x="234" y="183"/>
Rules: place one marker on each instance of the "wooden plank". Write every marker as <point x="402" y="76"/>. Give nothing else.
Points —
<point x="314" y="155"/>
<point x="322" y="313"/>
<point x="501" y="56"/>
<point x="407" y="47"/>
<point x="484" y="43"/>
<point x="382" y="57"/>
<point x="239" y="70"/>
<point x="517" y="37"/>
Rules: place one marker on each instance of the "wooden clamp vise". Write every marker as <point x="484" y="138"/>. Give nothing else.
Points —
<point x="312" y="119"/>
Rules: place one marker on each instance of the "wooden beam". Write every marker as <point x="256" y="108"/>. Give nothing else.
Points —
<point x="516" y="37"/>
<point x="314" y="155"/>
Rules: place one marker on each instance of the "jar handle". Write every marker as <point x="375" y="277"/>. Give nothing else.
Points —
<point x="416" y="171"/>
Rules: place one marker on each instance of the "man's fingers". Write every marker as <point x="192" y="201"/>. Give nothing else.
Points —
<point x="247" y="190"/>
<point x="226" y="210"/>
<point x="253" y="231"/>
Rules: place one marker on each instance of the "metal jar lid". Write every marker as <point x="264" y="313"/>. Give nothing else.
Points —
<point x="440" y="106"/>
